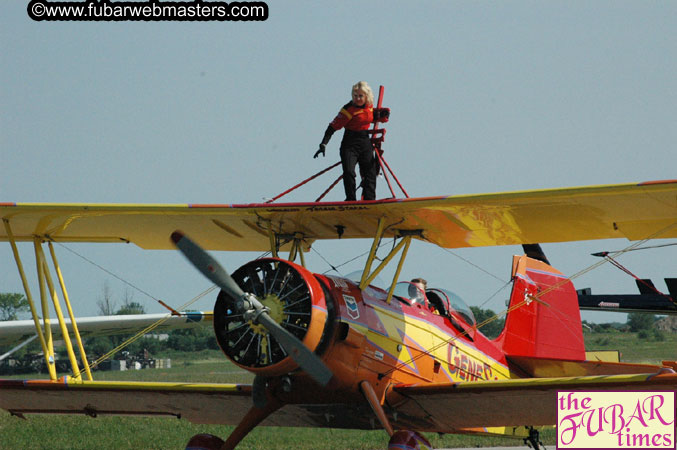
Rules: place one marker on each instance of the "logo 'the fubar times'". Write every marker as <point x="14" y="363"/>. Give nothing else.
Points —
<point x="615" y="420"/>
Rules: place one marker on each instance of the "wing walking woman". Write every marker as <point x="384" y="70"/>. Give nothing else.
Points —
<point x="356" y="148"/>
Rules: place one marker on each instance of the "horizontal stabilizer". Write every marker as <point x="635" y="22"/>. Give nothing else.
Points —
<point x="650" y="302"/>
<point x="547" y="368"/>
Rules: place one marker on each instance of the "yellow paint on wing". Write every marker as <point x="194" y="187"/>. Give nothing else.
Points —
<point x="166" y="386"/>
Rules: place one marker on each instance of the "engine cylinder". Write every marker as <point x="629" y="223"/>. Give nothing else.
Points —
<point x="295" y="300"/>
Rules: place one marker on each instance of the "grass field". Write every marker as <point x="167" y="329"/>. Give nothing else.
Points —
<point x="634" y="349"/>
<point x="79" y="432"/>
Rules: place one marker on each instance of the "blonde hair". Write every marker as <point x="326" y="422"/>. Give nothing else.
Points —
<point x="364" y="87"/>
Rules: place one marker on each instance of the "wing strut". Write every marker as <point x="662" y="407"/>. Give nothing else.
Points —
<point x="372" y="254"/>
<point x="34" y="313"/>
<point x="403" y="245"/>
<point x="297" y="249"/>
<point x="47" y="288"/>
<point x="44" y="276"/>
<point x="296" y="239"/>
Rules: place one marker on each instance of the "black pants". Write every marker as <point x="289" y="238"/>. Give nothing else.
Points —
<point x="356" y="149"/>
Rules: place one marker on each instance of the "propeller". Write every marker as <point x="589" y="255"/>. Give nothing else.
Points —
<point x="252" y="309"/>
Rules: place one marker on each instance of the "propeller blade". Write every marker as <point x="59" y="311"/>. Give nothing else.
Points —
<point x="308" y="361"/>
<point x="210" y="268"/>
<point x="207" y="265"/>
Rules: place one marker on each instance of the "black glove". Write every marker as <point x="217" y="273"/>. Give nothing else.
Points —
<point x="381" y="114"/>
<point x="321" y="150"/>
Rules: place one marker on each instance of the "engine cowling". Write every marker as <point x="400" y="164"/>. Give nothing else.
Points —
<point x="296" y="301"/>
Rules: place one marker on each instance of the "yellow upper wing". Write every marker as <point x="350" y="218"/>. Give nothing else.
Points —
<point x="634" y="211"/>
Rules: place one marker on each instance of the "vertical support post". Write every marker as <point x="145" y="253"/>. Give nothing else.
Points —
<point x="59" y="316"/>
<point x="384" y="263"/>
<point x="39" y="263"/>
<point x="292" y="250"/>
<point x="372" y="253"/>
<point x="407" y="241"/>
<point x="273" y="246"/>
<point x="27" y="289"/>
<point x="74" y="325"/>
<point x="297" y="249"/>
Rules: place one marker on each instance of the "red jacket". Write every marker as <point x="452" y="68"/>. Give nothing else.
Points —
<point x="353" y="117"/>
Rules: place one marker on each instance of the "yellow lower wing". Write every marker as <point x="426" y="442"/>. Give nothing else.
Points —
<point x="472" y="407"/>
<point x="519" y="402"/>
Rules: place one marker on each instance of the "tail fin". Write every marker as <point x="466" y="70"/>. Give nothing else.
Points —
<point x="545" y="321"/>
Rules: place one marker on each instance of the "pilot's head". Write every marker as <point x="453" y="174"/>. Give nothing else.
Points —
<point x="417" y="290"/>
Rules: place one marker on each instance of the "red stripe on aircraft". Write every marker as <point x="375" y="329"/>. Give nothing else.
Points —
<point x="312" y="204"/>
<point x="650" y="183"/>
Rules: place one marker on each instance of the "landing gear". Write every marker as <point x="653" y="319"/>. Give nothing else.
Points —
<point x="534" y="440"/>
<point x="204" y="442"/>
<point x="408" y="440"/>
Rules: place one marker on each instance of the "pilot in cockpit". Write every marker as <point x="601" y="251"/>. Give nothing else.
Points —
<point x="440" y="302"/>
<point x="419" y="296"/>
<point x="417" y="289"/>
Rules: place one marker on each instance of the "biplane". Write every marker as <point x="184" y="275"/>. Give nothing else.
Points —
<point x="329" y="351"/>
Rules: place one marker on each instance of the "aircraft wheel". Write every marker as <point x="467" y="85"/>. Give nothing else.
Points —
<point x="204" y="442"/>
<point x="408" y="440"/>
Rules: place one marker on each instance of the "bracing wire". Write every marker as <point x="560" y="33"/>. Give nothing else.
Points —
<point x="108" y="272"/>
<point x="505" y="285"/>
<point x="467" y="261"/>
<point x="148" y="329"/>
<point x="648" y="247"/>
<point x="639" y="280"/>
<point x="335" y="268"/>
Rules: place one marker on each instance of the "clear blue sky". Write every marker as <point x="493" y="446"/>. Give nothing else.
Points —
<point x="485" y="97"/>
